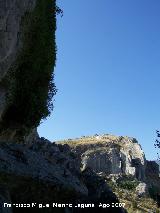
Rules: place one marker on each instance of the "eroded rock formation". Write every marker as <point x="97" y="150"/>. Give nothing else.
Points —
<point x="111" y="155"/>
<point x="120" y="159"/>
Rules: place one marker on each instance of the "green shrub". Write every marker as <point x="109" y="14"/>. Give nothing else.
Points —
<point x="128" y="183"/>
<point x="31" y="77"/>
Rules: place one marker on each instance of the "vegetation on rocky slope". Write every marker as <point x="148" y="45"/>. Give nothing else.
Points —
<point x="121" y="162"/>
<point x="96" y="139"/>
<point x="133" y="203"/>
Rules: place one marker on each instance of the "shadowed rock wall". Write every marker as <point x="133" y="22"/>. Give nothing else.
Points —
<point x="27" y="60"/>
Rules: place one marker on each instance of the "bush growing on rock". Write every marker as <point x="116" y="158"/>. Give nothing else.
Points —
<point x="128" y="183"/>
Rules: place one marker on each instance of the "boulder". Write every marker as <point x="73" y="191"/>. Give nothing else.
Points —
<point x="142" y="190"/>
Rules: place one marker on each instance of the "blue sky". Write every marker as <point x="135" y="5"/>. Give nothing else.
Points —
<point x="108" y="71"/>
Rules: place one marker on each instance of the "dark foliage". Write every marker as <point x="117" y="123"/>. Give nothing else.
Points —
<point x="59" y="11"/>
<point x="128" y="183"/>
<point x="157" y="142"/>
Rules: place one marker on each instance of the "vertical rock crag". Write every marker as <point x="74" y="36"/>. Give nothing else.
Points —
<point x="12" y="12"/>
<point x="27" y="60"/>
<point x="111" y="155"/>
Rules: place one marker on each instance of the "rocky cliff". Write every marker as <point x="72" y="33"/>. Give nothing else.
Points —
<point x="120" y="161"/>
<point x="35" y="174"/>
<point x="11" y="16"/>
<point x="10" y="31"/>
<point x="49" y="174"/>
<point x="111" y="155"/>
<point x="27" y="59"/>
<point x="46" y="173"/>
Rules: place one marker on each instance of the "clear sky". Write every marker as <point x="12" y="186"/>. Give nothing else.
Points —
<point x="108" y="71"/>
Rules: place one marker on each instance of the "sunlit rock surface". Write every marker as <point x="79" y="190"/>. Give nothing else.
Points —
<point x="111" y="155"/>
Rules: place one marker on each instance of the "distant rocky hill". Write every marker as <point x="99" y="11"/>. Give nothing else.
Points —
<point x="120" y="160"/>
<point x="111" y="155"/>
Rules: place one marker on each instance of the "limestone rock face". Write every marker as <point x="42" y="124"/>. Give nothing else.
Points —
<point x="26" y="76"/>
<point x="133" y="155"/>
<point x="111" y="155"/>
<point x="11" y="14"/>
<point x="42" y="172"/>
<point x="42" y="160"/>
<point x="45" y="172"/>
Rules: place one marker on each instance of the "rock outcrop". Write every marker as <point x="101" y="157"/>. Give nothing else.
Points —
<point x="11" y="14"/>
<point x="142" y="190"/>
<point x="42" y="160"/>
<point x="33" y="170"/>
<point x="44" y="172"/>
<point x="111" y="155"/>
<point x="121" y="160"/>
<point x="27" y="60"/>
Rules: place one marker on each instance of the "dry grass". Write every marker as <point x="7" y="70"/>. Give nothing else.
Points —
<point x="92" y="140"/>
<point x="134" y="203"/>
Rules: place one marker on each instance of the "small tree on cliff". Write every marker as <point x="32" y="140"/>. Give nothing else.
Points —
<point x="59" y="11"/>
<point x="157" y="142"/>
